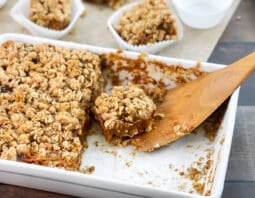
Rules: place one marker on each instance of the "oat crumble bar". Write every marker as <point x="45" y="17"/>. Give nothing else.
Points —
<point x="53" y="14"/>
<point x="149" y="22"/>
<point x="45" y="96"/>
<point x="127" y="112"/>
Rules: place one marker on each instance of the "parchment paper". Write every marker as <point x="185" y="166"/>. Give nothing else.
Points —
<point x="92" y="29"/>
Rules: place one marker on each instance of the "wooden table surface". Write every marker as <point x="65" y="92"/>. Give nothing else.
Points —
<point x="237" y="40"/>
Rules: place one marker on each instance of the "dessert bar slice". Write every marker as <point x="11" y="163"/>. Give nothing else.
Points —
<point x="45" y="97"/>
<point x="53" y="14"/>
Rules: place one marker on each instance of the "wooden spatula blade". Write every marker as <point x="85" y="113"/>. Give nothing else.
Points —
<point x="186" y="107"/>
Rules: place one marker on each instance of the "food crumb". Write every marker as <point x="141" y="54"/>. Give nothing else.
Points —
<point x="84" y="14"/>
<point x="22" y="29"/>
<point x="92" y="132"/>
<point x="88" y="169"/>
<point x="128" y="164"/>
<point x="222" y="141"/>
<point x="182" y="187"/>
<point x="181" y="173"/>
<point x="170" y="166"/>
<point x="150" y="182"/>
<point x="199" y="187"/>
<point x="114" y="153"/>
<point x="73" y="31"/>
<point x="238" y="18"/>
<point x="140" y="173"/>
<point x="96" y="143"/>
<point x="133" y="153"/>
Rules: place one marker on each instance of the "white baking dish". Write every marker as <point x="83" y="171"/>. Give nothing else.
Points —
<point x="119" y="171"/>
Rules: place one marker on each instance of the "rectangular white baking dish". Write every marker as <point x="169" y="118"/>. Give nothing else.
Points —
<point x="119" y="172"/>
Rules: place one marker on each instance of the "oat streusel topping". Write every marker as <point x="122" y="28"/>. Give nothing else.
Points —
<point x="45" y="96"/>
<point x="125" y="113"/>
<point x="53" y="14"/>
<point x="149" y="22"/>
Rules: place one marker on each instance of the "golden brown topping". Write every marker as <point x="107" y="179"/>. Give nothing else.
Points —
<point x="53" y="14"/>
<point x="46" y="93"/>
<point x="149" y="22"/>
<point x="125" y="113"/>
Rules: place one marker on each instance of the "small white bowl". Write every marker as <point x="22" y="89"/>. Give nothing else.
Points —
<point x="20" y="13"/>
<point x="202" y="14"/>
<point x="2" y="2"/>
<point x="150" y="48"/>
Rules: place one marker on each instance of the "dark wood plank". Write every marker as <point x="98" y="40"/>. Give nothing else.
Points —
<point x="241" y="29"/>
<point x="239" y="190"/>
<point x="242" y="157"/>
<point x="9" y="191"/>
<point x="228" y="52"/>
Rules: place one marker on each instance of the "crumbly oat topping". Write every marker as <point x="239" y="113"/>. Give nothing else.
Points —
<point x="53" y="14"/>
<point x="149" y="22"/>
<point x="45" y="96"/>
<point x="112" y="3"/>
<point x="125" y="113"/>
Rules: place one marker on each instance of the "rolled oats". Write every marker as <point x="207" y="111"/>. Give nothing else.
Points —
<point x="53" y="14"/>
<point x="148" y="22"/>
<point x="45" y="96"/>
<point x="127" y="112"/>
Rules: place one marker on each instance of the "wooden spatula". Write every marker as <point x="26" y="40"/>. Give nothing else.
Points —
<point x="187" y="106"/>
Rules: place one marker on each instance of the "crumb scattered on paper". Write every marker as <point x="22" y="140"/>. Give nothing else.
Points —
<point x="238" y="18"/>
<point x="84" y="14"/>
<point x="73" y="31"/>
